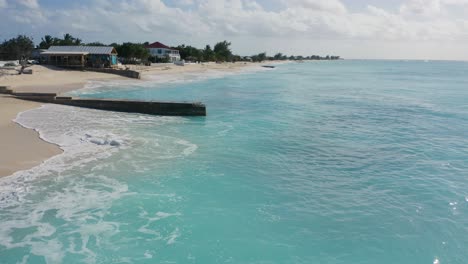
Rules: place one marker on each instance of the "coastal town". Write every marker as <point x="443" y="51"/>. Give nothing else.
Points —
<point x="72" y="52"/>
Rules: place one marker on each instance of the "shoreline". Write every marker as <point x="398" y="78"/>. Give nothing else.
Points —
<point x="26" y="149"/>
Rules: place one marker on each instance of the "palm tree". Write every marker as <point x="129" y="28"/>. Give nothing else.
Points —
<point x="46" y="42"/>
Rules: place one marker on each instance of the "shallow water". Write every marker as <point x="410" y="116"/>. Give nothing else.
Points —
<point x="324" y="162"/>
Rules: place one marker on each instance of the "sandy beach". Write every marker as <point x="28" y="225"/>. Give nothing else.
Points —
<point x="56" y="80"/>
<point x="22" y="148"/>
<point x="200" y="68"/>
<point x="51" y="79"/>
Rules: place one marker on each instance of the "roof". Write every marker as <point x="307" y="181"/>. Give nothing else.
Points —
<point x="80" y="50"/>
<point x="158" y="45"/>
<point x="64" y="53"/>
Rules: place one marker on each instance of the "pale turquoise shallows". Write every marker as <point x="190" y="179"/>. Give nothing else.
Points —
<point x="323" y="162"/>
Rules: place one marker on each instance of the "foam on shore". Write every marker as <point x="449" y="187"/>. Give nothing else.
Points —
<point x="72" y="186"/>
<point x="85" y="135"/>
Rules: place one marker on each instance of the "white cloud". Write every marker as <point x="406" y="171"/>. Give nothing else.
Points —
<point x="184" y="2"/>
<point x="318" y="5"/>
<point x="28" y="3"/>
<point x="32" y="15"/>
<point x="455" y="2"/>
<point x="208" y="20"/>
<point x="430" y="7"/>
<point x="3" y="4"/>
<point x="421" y="7"/>
<point x="323" y="18"/>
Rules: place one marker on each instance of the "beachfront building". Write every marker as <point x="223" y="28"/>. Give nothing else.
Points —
<point x="81" y="56"/>
<point x="159" y="50"/>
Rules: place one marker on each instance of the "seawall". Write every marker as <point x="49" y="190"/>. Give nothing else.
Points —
<point x="128" y="106"/>
<point x="124" y="73"/>
<point x="151" y="108"/>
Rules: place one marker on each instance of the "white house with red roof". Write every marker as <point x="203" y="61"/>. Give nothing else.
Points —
<point x="157" y="49"/>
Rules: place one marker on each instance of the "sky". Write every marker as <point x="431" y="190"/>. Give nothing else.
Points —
<point x="355" y="29"/>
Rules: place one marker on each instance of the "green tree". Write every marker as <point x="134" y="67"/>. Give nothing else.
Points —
<point x="262" y="56"/>
<point x="18" y="48"/>
<point x="208" y="54"/>
<point x="141" y="52"/>
<point x="236" y="58"/>
<point x="190" y="53"/>
<point x="278" y="56"/>
<point x="69" y="40"/>
<point x="132" y="52"/>
<point x="259" y="57"/>
<point x="46" y="42"/>
<point x="97" y="43"/>
<point x="222" y="51"/>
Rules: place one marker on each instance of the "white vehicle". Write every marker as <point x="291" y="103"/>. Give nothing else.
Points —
<point x="179" y="62"/>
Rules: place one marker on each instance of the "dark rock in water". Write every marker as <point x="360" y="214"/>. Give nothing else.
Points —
<point x="268" y="66"/>
<point x="114" y="143"/>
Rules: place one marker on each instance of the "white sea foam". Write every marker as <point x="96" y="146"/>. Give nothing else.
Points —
<point x="72" y="186"/>
<point x="152" y="231"/>
<point x="85" y="136"/>
<point x="148" y="254"/>
<point x="69" y="128"/>
<point x="82" y="204"/>
<point x="173" y="236"/>
<point x="189" y="148"/>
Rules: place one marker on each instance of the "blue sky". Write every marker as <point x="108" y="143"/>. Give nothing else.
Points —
<point x="392" y="29"/>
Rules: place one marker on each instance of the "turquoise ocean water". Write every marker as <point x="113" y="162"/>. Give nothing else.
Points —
<point x="323" y="162"/>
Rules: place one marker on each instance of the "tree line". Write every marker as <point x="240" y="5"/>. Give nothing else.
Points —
<point x="21" y="47"/>
<point x="18" y="48"/>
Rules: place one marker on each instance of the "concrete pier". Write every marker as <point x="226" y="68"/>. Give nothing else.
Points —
<point x="128" y="106"/>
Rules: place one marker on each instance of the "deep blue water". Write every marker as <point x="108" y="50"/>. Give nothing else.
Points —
<point x="323" y="162"/>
